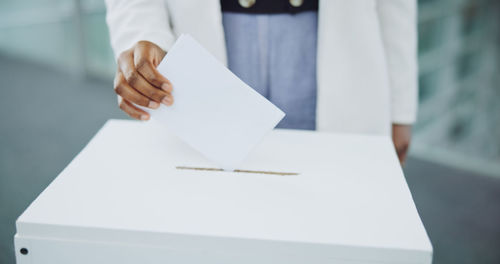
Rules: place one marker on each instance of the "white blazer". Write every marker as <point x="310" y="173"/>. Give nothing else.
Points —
<point x="366" y="58"/>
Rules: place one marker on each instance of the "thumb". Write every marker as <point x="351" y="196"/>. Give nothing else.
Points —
<point x="146" y="55"/>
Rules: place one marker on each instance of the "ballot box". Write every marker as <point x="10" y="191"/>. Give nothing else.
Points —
<point x="137" y="194"/>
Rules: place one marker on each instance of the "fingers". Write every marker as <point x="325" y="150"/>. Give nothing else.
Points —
<point x="402" y="152"/>
<point x="132" y="110"/>
<point x="124" y="90"/>
<point x="144" y="63"/>
<point x="138" y="82"/>
<point x="135" y="80"/>
<point x="401" y="136"/>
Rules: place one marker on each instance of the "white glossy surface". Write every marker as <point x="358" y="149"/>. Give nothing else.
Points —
<point x="349" y="200"/>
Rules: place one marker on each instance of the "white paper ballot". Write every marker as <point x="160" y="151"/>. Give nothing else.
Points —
<point x="214" y="111"/>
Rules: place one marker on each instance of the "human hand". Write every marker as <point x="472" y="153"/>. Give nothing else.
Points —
<point x="138" y="82"/>
<point x="401" y="135"/>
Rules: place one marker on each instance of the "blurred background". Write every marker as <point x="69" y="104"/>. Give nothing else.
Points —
<point x="56" y="69"/>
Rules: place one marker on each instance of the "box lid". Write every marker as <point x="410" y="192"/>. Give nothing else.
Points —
<point x="348" y="194"/>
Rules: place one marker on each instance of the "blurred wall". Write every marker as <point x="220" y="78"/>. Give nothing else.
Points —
<point x="459" y="114"/>
<point x="69" y="35"/>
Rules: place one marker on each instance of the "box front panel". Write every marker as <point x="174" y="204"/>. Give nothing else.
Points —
<point x="30" y="250"/>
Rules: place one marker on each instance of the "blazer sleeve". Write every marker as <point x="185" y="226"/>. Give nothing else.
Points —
<point x="398" y="24"/>
<point x="130" y="21"/>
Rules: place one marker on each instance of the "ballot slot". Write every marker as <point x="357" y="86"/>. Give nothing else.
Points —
<point x="277" y="173"/>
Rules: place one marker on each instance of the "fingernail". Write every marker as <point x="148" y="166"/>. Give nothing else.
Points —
<point x="153" y="104"/>
<point x="166" y="87"/>
<point x="144" y="117"/>
<point x="167" y="100"/>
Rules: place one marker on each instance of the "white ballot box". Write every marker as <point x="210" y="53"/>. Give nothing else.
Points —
<point x="136" y="194"/>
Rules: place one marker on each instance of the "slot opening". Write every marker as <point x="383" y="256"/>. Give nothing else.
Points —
<point x="239" y="171"/>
